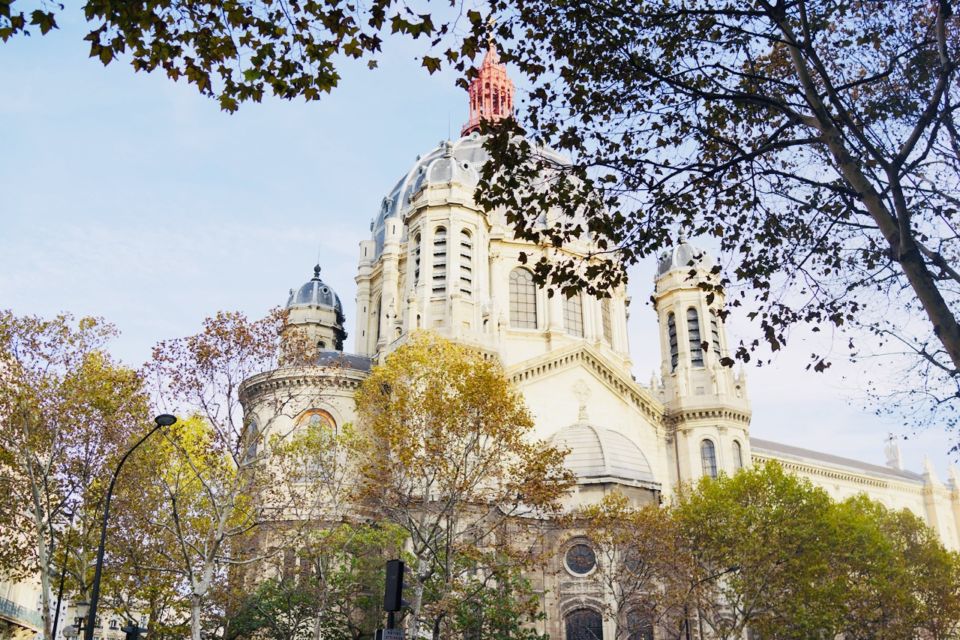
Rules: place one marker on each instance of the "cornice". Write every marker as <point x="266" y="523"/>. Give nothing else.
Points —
<point x="300" y="377"/>
<point x="675" y="418"/>
<point x="837" y="474"/>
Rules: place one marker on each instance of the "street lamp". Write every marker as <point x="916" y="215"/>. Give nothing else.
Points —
<point x="72" y="631"/>
<point x="163" y="420"/>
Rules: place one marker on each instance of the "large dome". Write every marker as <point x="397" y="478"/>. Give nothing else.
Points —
<point x="315" y="293"/>
<point x="450" y="162"/>
<point x="603" y="455"/>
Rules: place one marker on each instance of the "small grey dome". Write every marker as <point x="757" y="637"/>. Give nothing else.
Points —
<point x="315" y="293"/>
<point x="680" y="256"/>
<point x="598" y="454"/>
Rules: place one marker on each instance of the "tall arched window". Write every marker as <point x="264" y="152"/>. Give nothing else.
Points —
<point x="377" y="318"/>
<point x="416" y="260"/>
<point x="439" y="261"/>
<point x="573" y="315"/>
<point x="715" y="335"/>
<point x="606" y="320"/>
<point x="584" y="624"/>
<point x="696" y="342"/>
<point x="639" y="626"/>
<point x="252" y="435"/>
<point x="466" y="263"/>
<point x="708" y="458"/>
<point x="523" y="300"/>
<point x="737" y="455"/>
<point x="672" y="334"/>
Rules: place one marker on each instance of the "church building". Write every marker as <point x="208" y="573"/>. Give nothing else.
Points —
<point x="435" y="260"/>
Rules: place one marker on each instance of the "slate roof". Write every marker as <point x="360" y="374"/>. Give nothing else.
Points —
<point x="789" y="452"/>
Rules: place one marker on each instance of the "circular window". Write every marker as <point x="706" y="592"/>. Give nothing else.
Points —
<point x="581" y="559"/>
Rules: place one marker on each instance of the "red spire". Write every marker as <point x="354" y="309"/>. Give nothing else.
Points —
<point x="491" y="93"/>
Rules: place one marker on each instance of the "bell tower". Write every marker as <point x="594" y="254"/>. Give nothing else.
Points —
<point x="706" y="402"/>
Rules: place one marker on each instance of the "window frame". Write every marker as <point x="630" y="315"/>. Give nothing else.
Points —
<point x="529" y="295"/>
<point x="709" y="466"/>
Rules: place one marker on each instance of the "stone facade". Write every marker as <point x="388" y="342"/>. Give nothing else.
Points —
<point x="436" y="261"/>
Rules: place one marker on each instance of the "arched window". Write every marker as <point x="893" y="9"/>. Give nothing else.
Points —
<point x="573" y="315"/>
<point x="416" y="260"/>
<point x="466" y="263"/>
<point x="708" y="458"/>
<point x="715" y="335"/>
<point x="584" y="624"/>
<point x="439" y="261"/>
<point x="315" y="418"/>
<point x="377" y="319"/>
<point x="696" y="342"/>
<point x="606" y="320"/>
<point x="252" y="435"/>
<point x="737" y="455"/>
<point x="639" y="626"/>
<point x="523" y="300"/>
<point x="672" y="333"/>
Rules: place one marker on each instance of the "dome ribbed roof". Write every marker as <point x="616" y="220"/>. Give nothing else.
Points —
<point x="598" y="453"/>
<point x="315" y="293"/>
<point x="452" y="161"/>
<point x="680" y="256"/>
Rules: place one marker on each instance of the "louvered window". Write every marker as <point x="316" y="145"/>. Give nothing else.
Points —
<point x="416" y="260"/>
<point x="440" y="261"/>
<point x="715" y="335"/>
<point x="466" y="263"/>
<point x="696" y="342"/>
<point x="672" y="333"/>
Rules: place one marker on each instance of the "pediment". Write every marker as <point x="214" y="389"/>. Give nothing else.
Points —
<point x="586" y="358"/>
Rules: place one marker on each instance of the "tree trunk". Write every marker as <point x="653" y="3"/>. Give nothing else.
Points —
<point x="44" y="583"/>
<point x="902" y="245"/>
<point x="195" y="617"/>
<point x="415" y="604"/>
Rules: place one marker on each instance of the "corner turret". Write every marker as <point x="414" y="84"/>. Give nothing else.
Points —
<point x="706" y="402"/>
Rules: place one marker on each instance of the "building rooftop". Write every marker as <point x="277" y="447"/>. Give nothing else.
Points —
<point x="786" y="451"/>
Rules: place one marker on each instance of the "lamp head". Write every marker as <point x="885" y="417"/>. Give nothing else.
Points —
<point x="165" y="420"/>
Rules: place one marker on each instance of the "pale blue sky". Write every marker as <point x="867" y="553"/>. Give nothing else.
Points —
<point x="130" y="197"/>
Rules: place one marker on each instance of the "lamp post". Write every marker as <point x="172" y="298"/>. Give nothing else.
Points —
<point x="72" y="631"/>
<point x="163" y="420"/>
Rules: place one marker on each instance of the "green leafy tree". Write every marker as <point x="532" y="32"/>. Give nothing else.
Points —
<point x="335" y="592"/>
<point x="642" y="563"/>
<point x="898" y="580"/>
<point x="814" y="141"/>
<point x="234" y="52"/>
<point x="444" y="450"/>
<point x="68" y="411"/>
<point x="498" y="602"/>
<point x="762" y="545"/>
<point x="231" y="502"/>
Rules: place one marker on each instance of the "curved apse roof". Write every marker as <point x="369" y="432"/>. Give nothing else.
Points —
<point x="598" y="454"/>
